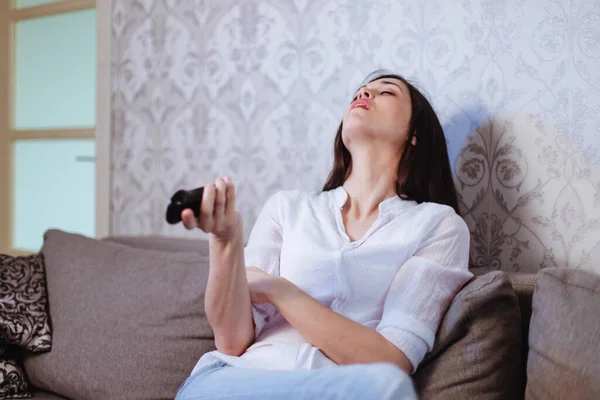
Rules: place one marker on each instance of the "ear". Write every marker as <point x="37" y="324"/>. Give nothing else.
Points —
<point x="414" y="140"/>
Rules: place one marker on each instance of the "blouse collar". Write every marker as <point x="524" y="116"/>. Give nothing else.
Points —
<point x="393" y="204"/>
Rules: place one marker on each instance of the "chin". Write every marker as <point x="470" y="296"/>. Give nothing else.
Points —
<point x="357" y="133"/>
<point x="355" y="123"/>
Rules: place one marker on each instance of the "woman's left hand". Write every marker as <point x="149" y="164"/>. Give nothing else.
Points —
<point x="262" y="285"/>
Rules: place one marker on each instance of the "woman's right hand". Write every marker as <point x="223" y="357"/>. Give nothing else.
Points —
<point x="218" y="215"/>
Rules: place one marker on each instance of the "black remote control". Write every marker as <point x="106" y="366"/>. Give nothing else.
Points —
<point x="181" y="200"/>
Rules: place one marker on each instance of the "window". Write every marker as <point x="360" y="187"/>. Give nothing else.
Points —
<point x="53" y="152"/>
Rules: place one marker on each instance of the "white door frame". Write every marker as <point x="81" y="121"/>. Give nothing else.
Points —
<point x="103" y="118"/>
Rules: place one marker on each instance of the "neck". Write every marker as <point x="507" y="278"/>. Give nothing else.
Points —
<point x="372" y="180"/>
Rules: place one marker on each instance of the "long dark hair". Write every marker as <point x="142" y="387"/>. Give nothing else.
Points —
<point x="424" y="173"/>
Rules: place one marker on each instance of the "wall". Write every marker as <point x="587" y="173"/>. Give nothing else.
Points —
<point x="256" y="89"/>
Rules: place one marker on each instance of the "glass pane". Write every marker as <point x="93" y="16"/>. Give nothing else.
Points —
<point x="55" y="71"/>
<point x="31" y="3"/>
<point x="54" y="187"/>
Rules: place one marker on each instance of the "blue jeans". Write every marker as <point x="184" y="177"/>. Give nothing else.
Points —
<point x="360" y="381"/>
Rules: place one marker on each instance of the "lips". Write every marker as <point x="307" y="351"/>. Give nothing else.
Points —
<point x="361" y="103"/>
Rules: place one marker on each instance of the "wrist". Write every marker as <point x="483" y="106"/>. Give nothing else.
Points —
<point x="281" y="289"/>
<point x="233" y="238"/>
<point x="233" y="234"/>
<point x="226" y="252"/>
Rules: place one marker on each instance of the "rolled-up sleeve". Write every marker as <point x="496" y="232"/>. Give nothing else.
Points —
<point x="262" y="251"/>
<point x="423" y="288"/>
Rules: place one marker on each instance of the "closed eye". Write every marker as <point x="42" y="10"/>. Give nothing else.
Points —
<point x="386" y="92"/>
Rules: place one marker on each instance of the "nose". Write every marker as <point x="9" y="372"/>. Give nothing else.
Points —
<point x="364" y="93"/>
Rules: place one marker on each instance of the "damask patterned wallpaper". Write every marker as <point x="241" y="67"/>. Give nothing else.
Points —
<point x="255" y="89"/>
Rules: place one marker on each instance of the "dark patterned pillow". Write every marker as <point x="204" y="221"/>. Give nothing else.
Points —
<point x="13" y="383"/>
<point x="24" y="318"/>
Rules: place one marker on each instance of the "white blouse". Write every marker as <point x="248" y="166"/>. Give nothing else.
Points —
<point x="398" y="279"/>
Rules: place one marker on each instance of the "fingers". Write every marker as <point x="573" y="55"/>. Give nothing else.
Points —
<point x="220" y="198"/>
<point x="206" y="221"/>
<point x="189" y="219"/>
<point x="230" y="198"/>
<point x="216" y="209"/>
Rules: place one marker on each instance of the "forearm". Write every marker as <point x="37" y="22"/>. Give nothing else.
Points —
<point x="341" y="339"/>
<point x="227" y="298"/>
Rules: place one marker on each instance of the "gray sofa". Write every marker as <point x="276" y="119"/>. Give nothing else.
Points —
<point x="128" y="323"/>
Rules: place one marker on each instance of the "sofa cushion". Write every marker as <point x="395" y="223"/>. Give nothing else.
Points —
<point x="564" y="336"/>
<point x="477" y="351"/>
<point x="524" y="285"/>
<point x="128" y="323"/>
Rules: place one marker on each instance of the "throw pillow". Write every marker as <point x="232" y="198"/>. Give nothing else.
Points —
<point x="564" y="336"/>
<point x="477" y="351"/>
<point x="23" y="303"/>
<point x="13" y="384"/>
<point x="24" y="321"/>
<point x="128" y="323"/>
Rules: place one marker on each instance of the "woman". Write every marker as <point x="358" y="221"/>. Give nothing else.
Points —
<point x="338" y="294"/>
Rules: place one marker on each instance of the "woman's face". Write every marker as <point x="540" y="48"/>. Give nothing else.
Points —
<point x="380" y="112"/>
